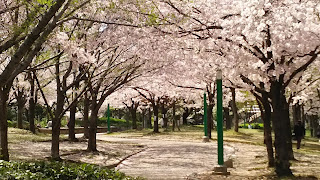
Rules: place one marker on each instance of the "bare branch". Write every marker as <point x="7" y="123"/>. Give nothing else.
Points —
<point x="313" y="55"/>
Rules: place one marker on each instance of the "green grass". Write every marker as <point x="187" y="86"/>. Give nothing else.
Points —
<point x="57" y="170"/>
<point x="249" y="136"/>
<point x="19" y="135"/>
<point x="16" y="135"/>
<point x="113" y="122"/>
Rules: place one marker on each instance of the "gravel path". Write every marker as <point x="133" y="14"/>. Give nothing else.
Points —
<point x="154" y="157"/>
<point x="177" y="159"/>
<point x="168" y="159"/>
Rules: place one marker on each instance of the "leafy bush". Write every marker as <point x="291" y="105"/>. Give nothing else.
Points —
<point x="56" y="170"/>
<point x="113" y="122"/>
<point x="243" y="126"/>
<point x="257" y="126"/>
<point x="11" y="124"/>
<point x="253" y="125"/>
<point x="103" y="122"/>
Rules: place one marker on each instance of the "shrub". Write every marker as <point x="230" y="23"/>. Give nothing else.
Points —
<point x="56" y="170"/>
<point x="10" y="123"/>
<point x="257" y="126"/>
<point x="113" y="122"/>
<point x="253" y="125"/>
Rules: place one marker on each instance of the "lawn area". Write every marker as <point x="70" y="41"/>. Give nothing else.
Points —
<point x="249" y="136"/>
<point x="30" y="149"/>
<point x="16" y="135"/>
<point x="29" y="158"/>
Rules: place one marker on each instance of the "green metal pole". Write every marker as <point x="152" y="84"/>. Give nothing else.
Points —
<point x="108" y="120"/>
<point x="219" y="121"/>
<point x="205" y="114"/>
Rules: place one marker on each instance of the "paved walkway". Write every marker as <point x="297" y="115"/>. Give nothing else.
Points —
<point x="167" y="159"/>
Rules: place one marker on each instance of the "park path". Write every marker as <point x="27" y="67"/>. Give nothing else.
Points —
<point x="168" y="159"/>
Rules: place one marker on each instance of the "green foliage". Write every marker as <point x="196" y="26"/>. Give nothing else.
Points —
<point x="113" y="122"/>
<point x="49" y="3"/>
<point x="103" y="122"/>
<point x="64" y="122"/>
<point x="12" y="123"/>
<point x="16" y="135"/>
<point x="253" y="125"/>
<point x="56" y="170"/>
<point x="43" y="122"/>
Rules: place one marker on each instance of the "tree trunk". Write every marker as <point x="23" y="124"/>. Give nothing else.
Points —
<point x="234" y="110"/>
<point x="20" y="102"/>
<point x="227" y="117"/>
<point x="134" y="117"/>
<point x="174" y="121"/>
<point x="185" y="115"/>
<point x="86" y="105"/>
<point x="209" y="119"/>
<point x="164" y="116"/>
<point x="280" y="119"/>
<point x="149" y="124"/>
<point x="56" y="124"/>
<point x="296" y="113"/>
<point x="4" y="95"/>
<point x="92" y="143"/>
<point x="55" y="155"/>
<point x="313" y="125"/>
<point x="20" y="112"/>
<point x="72" y="122"/>
<point x="156" y="119"/>
<point x="32" y="105"/>
<point x="303" y="116"/>
<point x="142" y="118"/>
<point x="265" y="110"/>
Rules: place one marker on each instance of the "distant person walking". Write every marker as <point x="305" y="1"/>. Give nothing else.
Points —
<point x="299" y="132"/>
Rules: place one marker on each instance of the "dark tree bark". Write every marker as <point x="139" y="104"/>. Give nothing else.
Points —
<point x="133" y="112"/>
<point x="21" y="101"/>
<point x="31" y="44"/>
<point x="149" y="123"/>
<point x="4" y="95"/>
<point x="209" y="119"/>
<point x="282" y="129"/>
<point x="164" y="115"/>
<point x="61" y="90"/>
<point x="32" y="103"/>
<point x="186" y="113"/>
<point x="86" y="105"/>
<point x="155" y="102"/>
<point x="296" y="113"/>
<point x="20" y="113"/>
<point x="227" y="117"/>
<point x="73" y="111"/>
<point x="313" y="123"/>
<point x="303" y="115"/>
<point x="56" y="121"/>
<point x="92" y="143"/>
<point x="72" y="122"/>
<point x="174" y="121"/>
<point x="155" y="106"/>
<point x="265" y="110"/>
<point x="100" y="90"/>
<point x="144" y="118"/>
<point x="211" y="95"/>
<point x="234" y="110"/>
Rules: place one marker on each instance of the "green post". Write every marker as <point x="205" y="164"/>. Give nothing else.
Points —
<point x="205" y="114"/>
<point x="219" y="118"/>
<point x="108" y="119"/>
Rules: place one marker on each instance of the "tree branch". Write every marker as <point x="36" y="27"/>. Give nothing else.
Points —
<point x="313" y="55"/>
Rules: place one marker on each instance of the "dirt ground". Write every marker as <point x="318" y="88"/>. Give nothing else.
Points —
<point x="109" y="155"/>
<point x="170" y="159"/>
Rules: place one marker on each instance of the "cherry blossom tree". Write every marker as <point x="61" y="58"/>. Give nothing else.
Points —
<point x="278" y="41"/>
